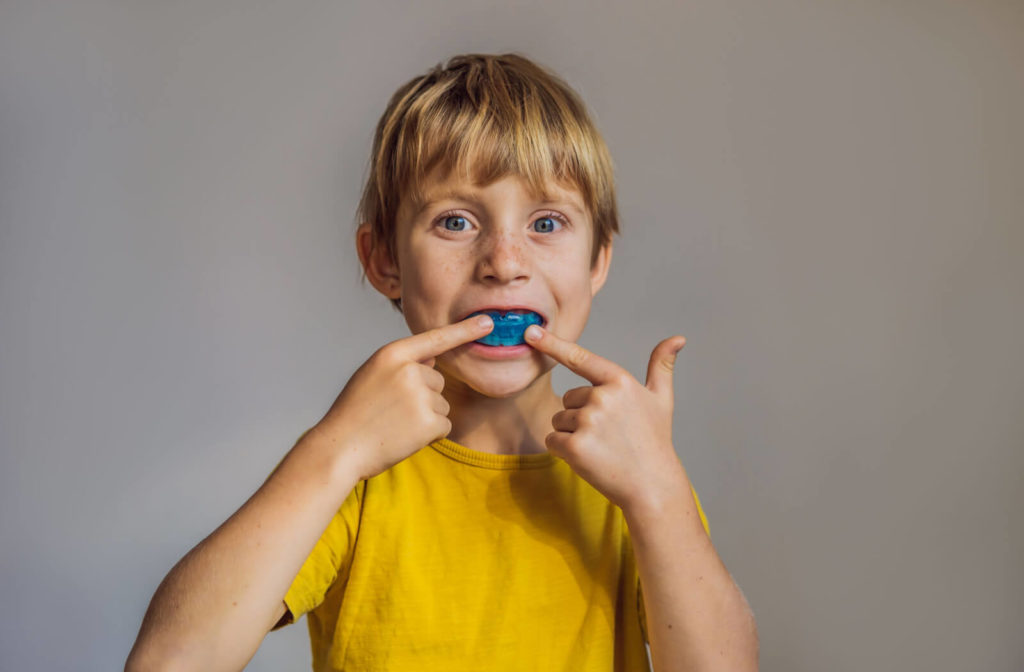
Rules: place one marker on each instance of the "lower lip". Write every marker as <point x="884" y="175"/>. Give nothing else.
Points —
<point x="499" y="351"/>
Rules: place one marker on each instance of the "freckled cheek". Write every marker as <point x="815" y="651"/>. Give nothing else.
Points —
<point x="431" y="289"/>
<point x="575" y="288"/>
<point x="455" y="267"/>
<point x="570" y="273"/>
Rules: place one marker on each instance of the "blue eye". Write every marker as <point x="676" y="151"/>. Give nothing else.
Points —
<point x="455" y="217"/>
<point x="548" y="224"/>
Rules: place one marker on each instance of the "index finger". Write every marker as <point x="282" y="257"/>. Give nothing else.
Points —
<point x="575" y="357"/>
<point x="434" y="342"/>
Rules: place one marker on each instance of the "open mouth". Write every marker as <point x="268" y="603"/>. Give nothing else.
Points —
<point x="509" y="326"/>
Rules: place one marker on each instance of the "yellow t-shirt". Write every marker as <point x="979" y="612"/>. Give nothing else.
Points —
<point x="455" y="559"/>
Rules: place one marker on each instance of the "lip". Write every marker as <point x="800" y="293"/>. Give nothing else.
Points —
<point x="500" y="352"/>
<point x="543" y="317"/>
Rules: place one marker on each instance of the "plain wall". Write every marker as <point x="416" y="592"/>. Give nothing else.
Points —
<point x="825" y="198"/>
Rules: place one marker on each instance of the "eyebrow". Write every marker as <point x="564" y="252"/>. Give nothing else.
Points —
<point x="470" y="196"/>
<point x="447" y="194"/>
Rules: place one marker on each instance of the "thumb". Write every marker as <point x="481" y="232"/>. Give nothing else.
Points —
<point x="663" y="361"/>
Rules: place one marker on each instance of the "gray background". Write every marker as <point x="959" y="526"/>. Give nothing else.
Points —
<point x="825" y="198"/>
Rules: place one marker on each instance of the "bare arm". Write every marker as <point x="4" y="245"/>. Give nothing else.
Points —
<point x="215" y="606"/>
<point x="697" y="617"/>
<point x="617" y="435"/>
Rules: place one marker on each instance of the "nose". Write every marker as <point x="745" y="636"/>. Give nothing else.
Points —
<point x="503" y="259"/>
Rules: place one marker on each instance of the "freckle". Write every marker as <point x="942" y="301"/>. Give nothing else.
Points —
<point x="235" y="604"/>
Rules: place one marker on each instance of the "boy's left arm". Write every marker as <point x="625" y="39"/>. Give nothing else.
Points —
<point x="617" y="435"/>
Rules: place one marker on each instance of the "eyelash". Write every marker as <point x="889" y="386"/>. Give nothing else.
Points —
<point x="455" y="213"/>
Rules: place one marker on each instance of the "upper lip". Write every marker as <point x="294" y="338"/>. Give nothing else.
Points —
<point x="543" y="317"/>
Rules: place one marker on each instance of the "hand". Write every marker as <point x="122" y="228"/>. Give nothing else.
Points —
<point x="616" y="434"/>
<point x="392" y="406"/>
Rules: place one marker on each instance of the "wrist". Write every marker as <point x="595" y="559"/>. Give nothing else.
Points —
<point x="333" y="458"/>
<point x="671" y="488"/>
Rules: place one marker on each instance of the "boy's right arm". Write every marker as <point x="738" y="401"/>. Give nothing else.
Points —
<point x="215" y="606"/>
<point x="213" y="609"/>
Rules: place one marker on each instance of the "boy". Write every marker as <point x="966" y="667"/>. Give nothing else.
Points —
<point x="450" y="511"/>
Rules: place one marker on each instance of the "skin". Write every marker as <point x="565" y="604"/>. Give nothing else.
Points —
<point x="616" y="433"/>
<point x="513" y="249"/>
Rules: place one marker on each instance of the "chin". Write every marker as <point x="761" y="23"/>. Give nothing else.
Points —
<point x="496" y="383"/>
<point x="498" y="390"/>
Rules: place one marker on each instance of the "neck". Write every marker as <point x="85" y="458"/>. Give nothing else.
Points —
<point x="514" y="425"/>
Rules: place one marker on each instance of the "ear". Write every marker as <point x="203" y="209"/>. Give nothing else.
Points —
<point x="599" y="271"/>
<point x="380" y="269"/>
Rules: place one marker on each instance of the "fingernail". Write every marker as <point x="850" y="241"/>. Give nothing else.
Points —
<point x="484" y="320"/>
<point x="532" y="333"/>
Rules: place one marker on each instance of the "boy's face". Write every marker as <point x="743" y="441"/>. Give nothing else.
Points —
<point x="470" y="247"/>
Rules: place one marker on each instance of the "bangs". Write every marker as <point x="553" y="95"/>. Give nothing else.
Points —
<point x="490" y="123"/>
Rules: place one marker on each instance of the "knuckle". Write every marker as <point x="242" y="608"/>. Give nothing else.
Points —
<point x="551" y="443"/>
<point x="406" y="378"/>
<point x="426" y="415"/>
<point x="387" y="354"/>
<point x="436" y="338"/>
<point x="577" y="356"/>
<point x="621" y="379"/>
<point x="427" y="399"/>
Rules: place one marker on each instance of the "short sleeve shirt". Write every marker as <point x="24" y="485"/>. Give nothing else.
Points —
<point x="455" y="559"/>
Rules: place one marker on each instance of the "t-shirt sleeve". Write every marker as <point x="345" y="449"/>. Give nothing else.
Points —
<point x="329" y="560"/>
<point x="639" y="588"/>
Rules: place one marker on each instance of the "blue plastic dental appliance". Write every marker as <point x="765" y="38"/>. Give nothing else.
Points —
<point x="509" y="327"/>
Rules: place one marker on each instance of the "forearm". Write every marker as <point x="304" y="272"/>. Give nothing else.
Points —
<point x="697" y="618"/>
<point x="215" y="606"/>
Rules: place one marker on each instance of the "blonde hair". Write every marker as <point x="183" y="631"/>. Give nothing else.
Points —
<point x="485" y="117"/>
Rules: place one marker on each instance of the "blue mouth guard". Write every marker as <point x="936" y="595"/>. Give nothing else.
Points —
<point x="508" y="327"/>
